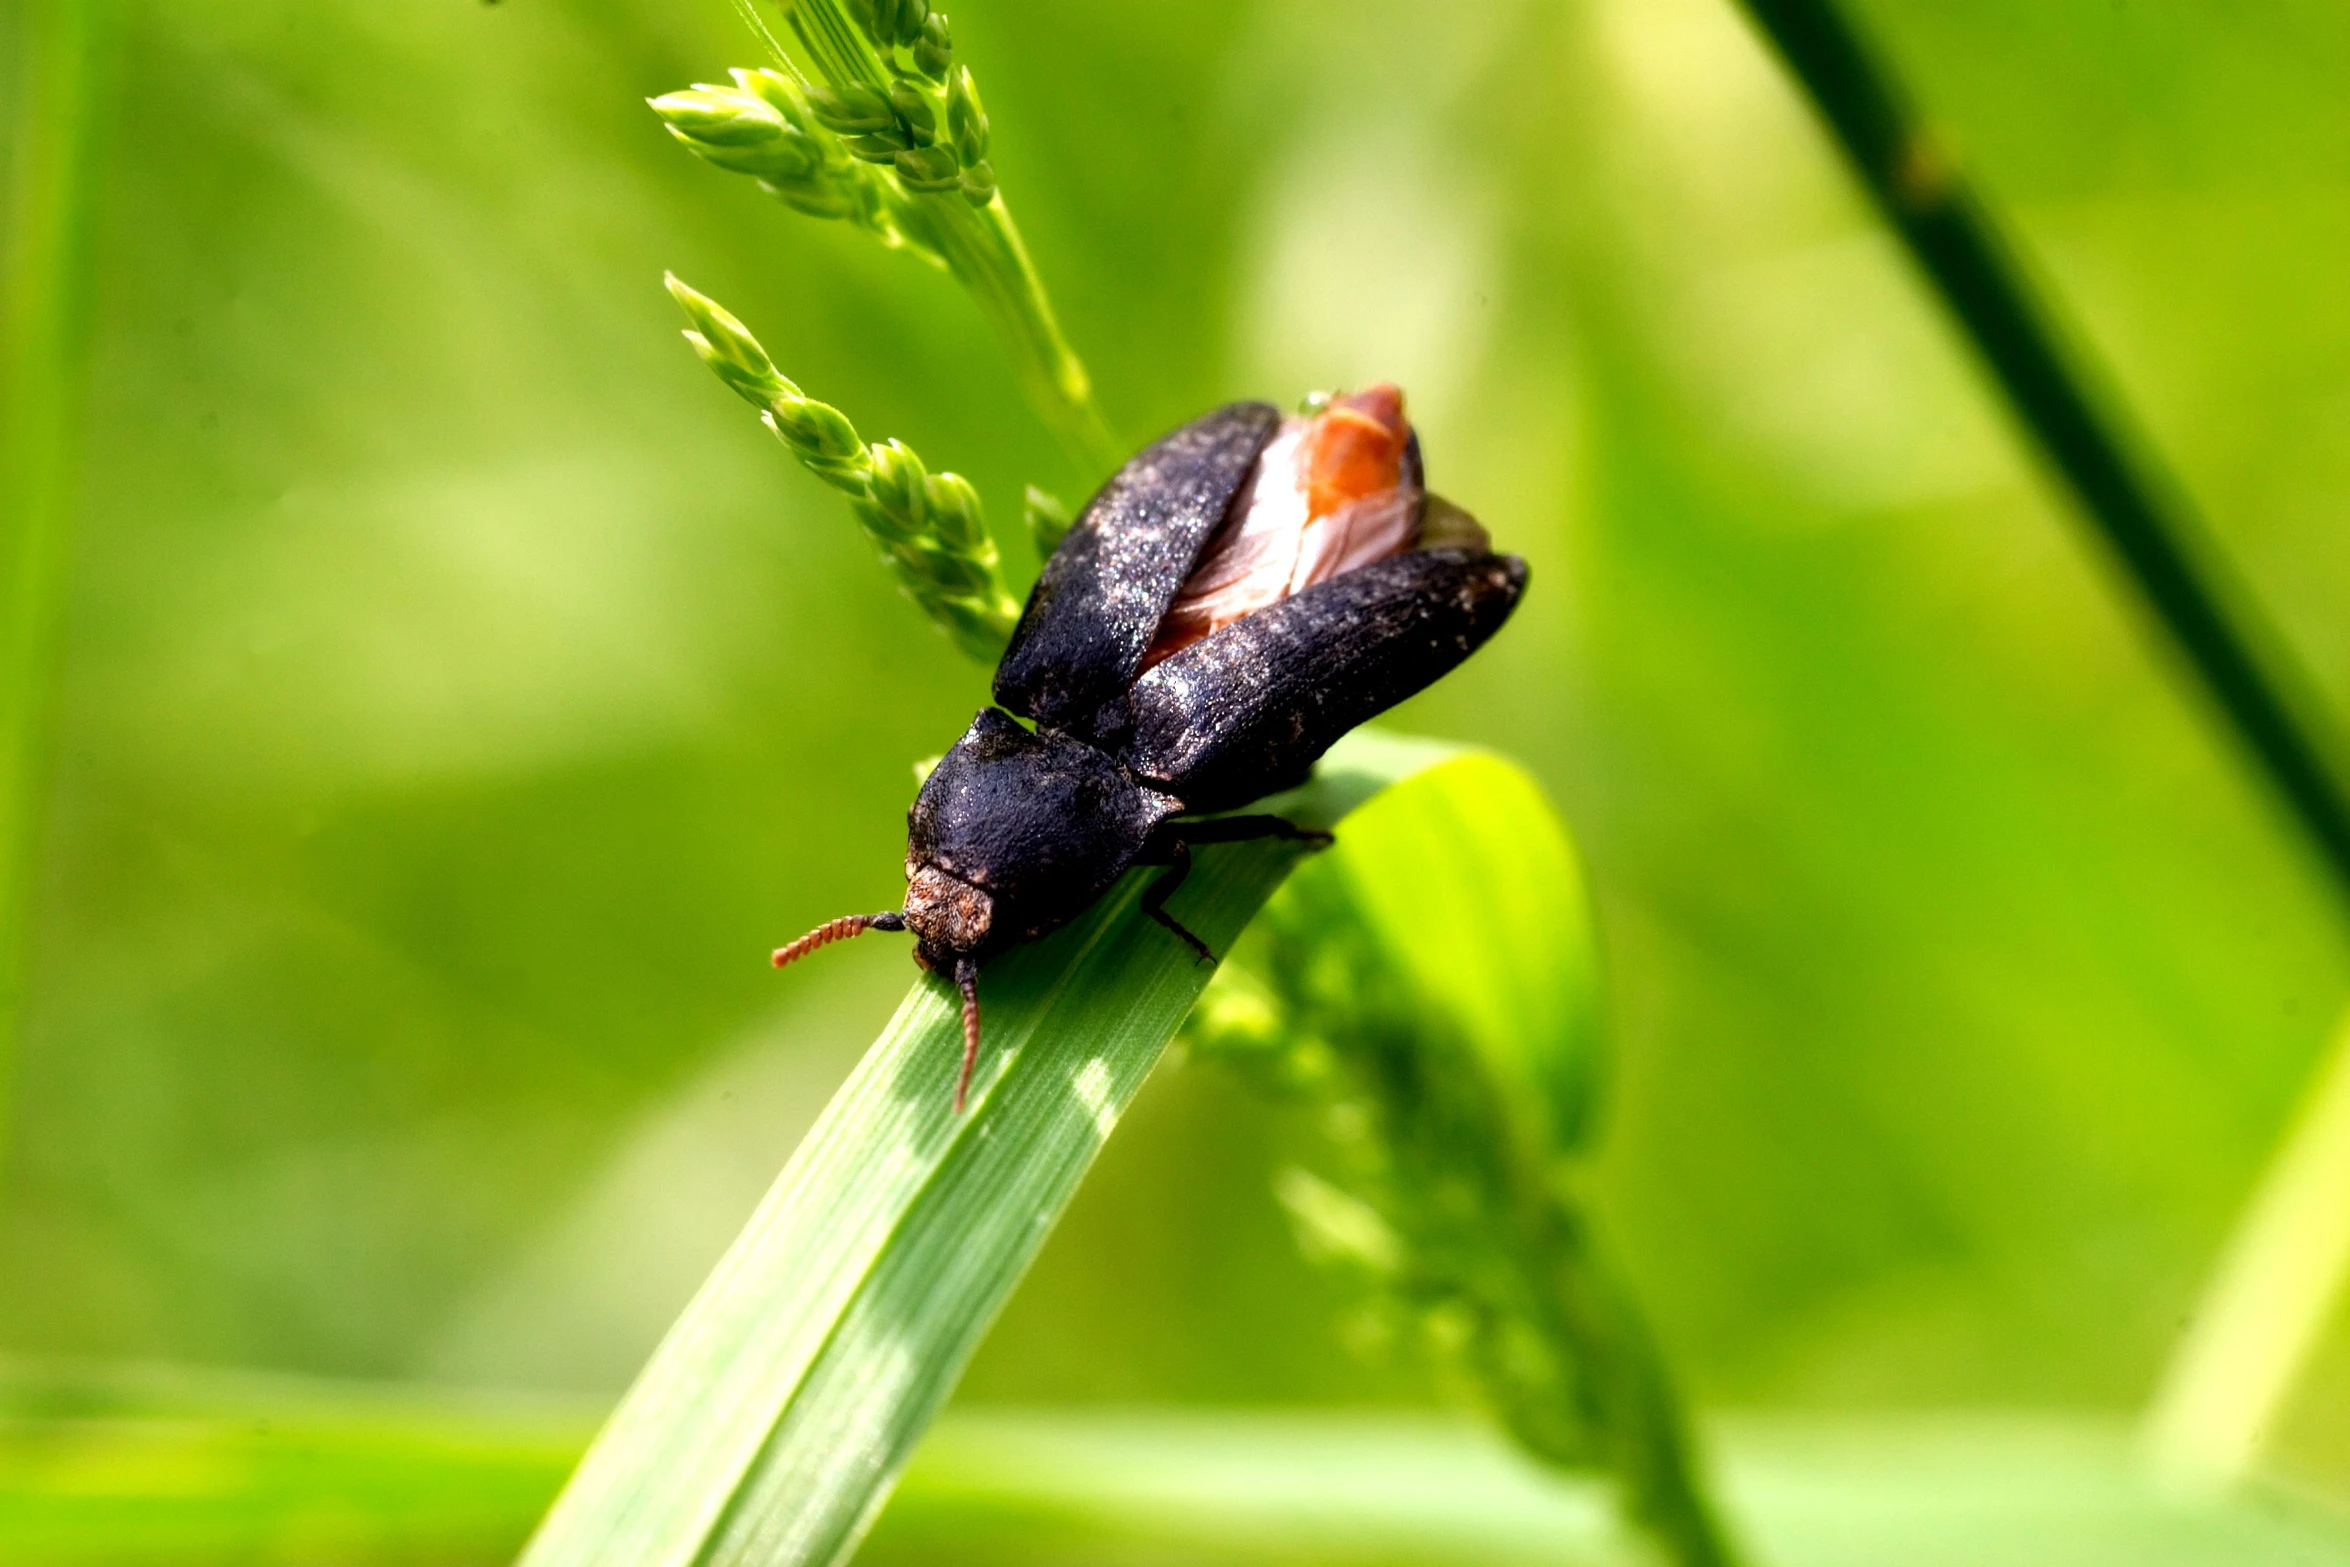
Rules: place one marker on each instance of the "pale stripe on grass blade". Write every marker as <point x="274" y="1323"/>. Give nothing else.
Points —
<point x="773" y="1420"/>
<point x="2264" y="1311"/>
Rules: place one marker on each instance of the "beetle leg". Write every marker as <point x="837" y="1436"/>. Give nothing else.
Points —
<point x="1155" y="896"/>
<point x="1172" y="848"/>
<point x="1243" y="829"/>
<point x="840" y="929"/>
<point x="967" y="981"/>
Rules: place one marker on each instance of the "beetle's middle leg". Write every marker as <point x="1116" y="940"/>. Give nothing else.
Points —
<point x="1171" y="847"/>
<point x="1176" y="853"/>
<point x="1243" y="829"/>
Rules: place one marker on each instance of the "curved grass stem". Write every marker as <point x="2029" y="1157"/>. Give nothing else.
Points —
<point x="1430" y="986"/>
<point x="983" y="249"/>
<point x="970" y="229"/>
<point x="1637" y="1419"/>
<point x="2078" y="427"/>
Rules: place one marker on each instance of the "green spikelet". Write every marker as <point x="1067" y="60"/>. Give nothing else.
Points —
<point x="928" y="527"/>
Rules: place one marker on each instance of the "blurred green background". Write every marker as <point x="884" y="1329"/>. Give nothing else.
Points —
<point x="461" y="692"/>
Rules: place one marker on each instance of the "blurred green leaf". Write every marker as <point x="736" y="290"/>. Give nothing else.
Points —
<point x="1432" y="983"/>
<point x="1468" y="888"/>
<point x="157" y="1467"/>
<point x="775" y="1417"/>
<point x="164" y="1467"/>
<point x="1925" y="1490"/>
<point x="2276" y="1286"/>
<point x="2279" y="1277"/>
<point x="127" y="1466"/>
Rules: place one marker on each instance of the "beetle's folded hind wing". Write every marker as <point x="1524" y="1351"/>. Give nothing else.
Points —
<point x="1092" y="614"/>
<point x="1250" y="709"/>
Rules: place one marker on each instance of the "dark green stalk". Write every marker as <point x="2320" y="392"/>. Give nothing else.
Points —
<point x="1635" y="1409"/>
<point x="1561" y="1348"/>
<point x="51" y="63"/>
<point x="2142" y="515"/>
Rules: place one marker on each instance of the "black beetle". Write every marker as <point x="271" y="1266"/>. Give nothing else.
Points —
<point x="1019" y="830"/>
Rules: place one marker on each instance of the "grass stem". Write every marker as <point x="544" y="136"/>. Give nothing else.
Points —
<point x="979" y="243"/>
<point x="982" y="247"/>
<point x="1637" y="1415"/>
<point x="1431" y="986"/>
<point x="2141" y="514"/>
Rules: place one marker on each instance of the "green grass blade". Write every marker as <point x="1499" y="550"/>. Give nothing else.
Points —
<point x="773" y="1420"/>
<point x="1468" y="886"/>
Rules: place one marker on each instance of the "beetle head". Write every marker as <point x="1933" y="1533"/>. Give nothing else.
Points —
<point x="948" y="916"/>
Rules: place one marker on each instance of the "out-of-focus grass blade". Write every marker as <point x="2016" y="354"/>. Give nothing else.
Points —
<point x="154" y="1467"/>
<point x="2276" y="1288"/>
<point x="772" y="1421"/>
<point x="1471" y="889"/>
<point x="145" y="1466"/>
<point x="1144" y="1488"/>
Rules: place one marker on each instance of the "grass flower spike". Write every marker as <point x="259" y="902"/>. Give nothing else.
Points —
<point x="1457" y="1073"/>
<point x="765" y="127"/>
<point x="883" y="129"/>
<point x="930" y="529"/>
